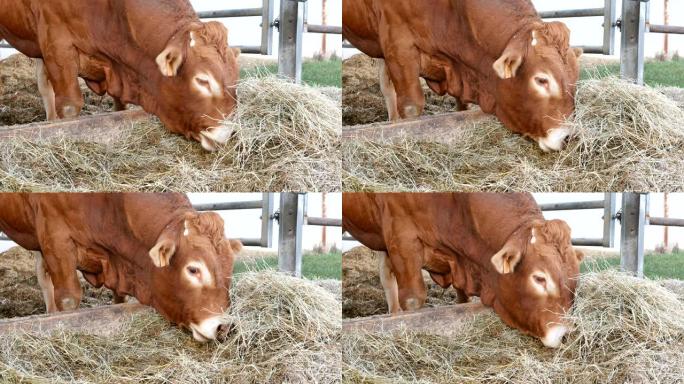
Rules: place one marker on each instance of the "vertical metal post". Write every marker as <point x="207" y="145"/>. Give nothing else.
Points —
<point x="632" y="47"/>
<point x="609" y="20"/>
<point x="267" y="220"/>
<point x="633" y="221"/>
<point x="290" y="234"/>
<point x="291" y="31"/>
<point x="609" y="211"/>
<point x="267" y="27"/>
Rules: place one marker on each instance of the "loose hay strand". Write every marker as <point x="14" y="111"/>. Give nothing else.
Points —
<point x="626" y="330"/>
<point x="628" y="138"/>
<point x="285" y="330"/>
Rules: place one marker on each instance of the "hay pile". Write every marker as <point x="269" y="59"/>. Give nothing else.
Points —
<point x="362" y="100"/>
<point x="20" y="101"/>
<point x="285" y="330"/>
<point x="627" y="330"/>
<point x="629" y="138"/>
<point x="286" y="138"/>
<point x="362" y="293"/>
<point x="20" y="294"/>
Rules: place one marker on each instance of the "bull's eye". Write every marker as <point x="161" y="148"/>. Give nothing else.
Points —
<point x="542" y="81"/>
<point x="541" y="280"/>
<point x="203" y="82"/>
<point x="193" y="270"/>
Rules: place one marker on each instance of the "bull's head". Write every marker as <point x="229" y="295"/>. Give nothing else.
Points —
<point x="537" y="75"/>
<point x="193" y="268"/>
<point x="536" y="276"/>
<point x="199" y="87"/>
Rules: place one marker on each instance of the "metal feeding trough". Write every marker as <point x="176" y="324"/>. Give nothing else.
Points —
<point x="100" y="320"/>
<point x="438" y="320"/>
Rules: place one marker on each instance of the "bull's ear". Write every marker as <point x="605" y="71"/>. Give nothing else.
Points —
<point x="506" y="259"/>
<point x="172" y="57"/>
<point x="235" y="245"/>
<point x="578" y="52"/>
<point x="162" y="252"/>
<point x="170" y="60"/>
<point x="579" y="254"/>
<point x="236" y="52"/>
<point x="512" y="58"/>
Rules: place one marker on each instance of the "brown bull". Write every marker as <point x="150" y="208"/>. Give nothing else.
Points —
<point x="156" y="54"/>
<point x="154" y="247"/>
<point x="495" y="53"/>
<point x="495" y="246"/>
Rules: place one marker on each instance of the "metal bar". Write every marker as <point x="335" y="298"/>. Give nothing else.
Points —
<point x="314" y="28"/>
<point x="222" y="13"/>
<point x="587" y="242"/>
<point x="585" y="12"/>
<point x="666" y="221"/>
<point x="591" y="49"/>
<point x="609" y="26"/>
<point x="657" y="28"/>
<point x="229" y="206"/>
<point x="250" y="242"/>
<point x="348" y="238"/>
<point x="266" y="28"/>
<point x="632" y="45"/>
<point x="5" y="45"/>
<point x="4" y="237"/>
<point x="291" y="31"/>
<point x="324" y="221"/>
<point x="633" y="220"/>
<point x="573" y="205"/>
<point x="609" y="211"/>
<point x="249" y="49"/>
<point x="290" y="235"/>
<point x="267" y="220"/>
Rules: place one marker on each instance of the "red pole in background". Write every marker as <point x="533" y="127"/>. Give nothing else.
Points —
<point x="324" y="44"/>
<point x="666" y="43"/>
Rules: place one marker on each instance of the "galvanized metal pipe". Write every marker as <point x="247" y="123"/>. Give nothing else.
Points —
<point x="291" y="221"/>
<point x="666" y="221"/>
<point x="573" y="205"/>
<point x="218" y="14"/>
<point x="314" y="28"/>
<point x="633" y="221"/>
<point x="585" y="12"/>
<point x="657" y="28"/>
<point x="632" y="45"/>
<point x="229" y="206"/>
<point x="324" y="221"/>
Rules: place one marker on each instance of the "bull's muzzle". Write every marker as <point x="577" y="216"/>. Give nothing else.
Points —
<point x="209" y="329"/>
<point x="555" y="139"/>
<point x="213" y="137"/>
<point x="554" y="336"/>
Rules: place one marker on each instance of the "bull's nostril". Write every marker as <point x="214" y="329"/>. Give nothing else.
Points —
<point x="221" y="328"/>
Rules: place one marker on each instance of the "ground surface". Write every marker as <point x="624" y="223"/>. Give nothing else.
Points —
<point x="363" y="102"/>
<point x="363" y="294"/>
<point x="20" y="101"/>
<point x="20" y="294"/>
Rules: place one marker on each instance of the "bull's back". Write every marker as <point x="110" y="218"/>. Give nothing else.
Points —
<point x="360" y="26"/>
<point x="362" y="219"/>
<point x="18" y="221"/>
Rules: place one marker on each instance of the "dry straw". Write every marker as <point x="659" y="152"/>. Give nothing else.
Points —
<point x="285" y="138"/>
<point x="285" y="330"/>
<point x="626" y="330"/>
<point x="627" y="138"/>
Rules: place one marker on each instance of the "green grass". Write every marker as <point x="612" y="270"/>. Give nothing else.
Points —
<point x="314" y="265"/>
<point x="663" y="73"/>
<point x="666" y="266"/>
<point x="322" y="73"/>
